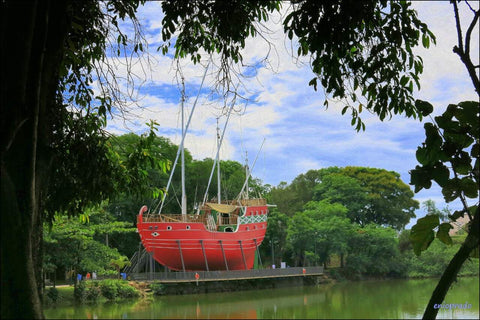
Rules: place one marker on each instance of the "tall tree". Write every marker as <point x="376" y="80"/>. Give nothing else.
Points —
<point x="50" y="121"/>
<point x="450" y="156"/>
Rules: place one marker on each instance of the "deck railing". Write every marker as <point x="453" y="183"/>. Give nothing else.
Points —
<point x="231" y="219"/>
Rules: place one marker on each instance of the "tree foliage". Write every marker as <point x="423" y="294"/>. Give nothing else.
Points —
<point x="373" y="250"/>
<point x="73" y="244"/>
<point x="450" y="157"/>
<point x="52" y="128"/>
<point x="356" y="49"/>
<point x="370" y="195"/>
<point x="362" y="49"/>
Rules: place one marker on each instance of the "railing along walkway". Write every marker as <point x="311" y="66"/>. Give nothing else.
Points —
<point x="190" y="276"/>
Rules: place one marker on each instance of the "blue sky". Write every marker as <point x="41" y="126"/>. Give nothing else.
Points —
<point x="300" y="133"/>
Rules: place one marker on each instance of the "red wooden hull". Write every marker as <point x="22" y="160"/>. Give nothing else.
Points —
<point x="190" y="246"/>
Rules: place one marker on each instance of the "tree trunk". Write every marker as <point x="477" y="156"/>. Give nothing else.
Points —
<point x="450" y="274"/>
<point x="32" y="38"/>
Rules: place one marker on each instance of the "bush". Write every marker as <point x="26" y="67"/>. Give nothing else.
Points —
<point x="79" y="292"/>
<point x="127" y="291"/>
<point x="433" y="261"/>
<point x="111" y="289"/>
<point x="52" y="294"/>
<point x="158" y="289"/>
<point x="93" y="292"/>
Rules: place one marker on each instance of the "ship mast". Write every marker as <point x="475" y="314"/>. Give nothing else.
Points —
<point x="184" y="131"/>
<point x="247" y="174"/>
<point x="184" y="194"/>
<point x="219" y="191"/>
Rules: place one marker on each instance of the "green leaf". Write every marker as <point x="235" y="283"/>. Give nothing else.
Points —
<point x="457" y="214"/>
<point x="425" y="41"/>
<point x="424" y="107"/>
<point x="421" y="155"/>
<point x="440" y="174"/>
<point x="469" y="187"/>
<point x="422" y="233"/>
<point x="442" y="233"/>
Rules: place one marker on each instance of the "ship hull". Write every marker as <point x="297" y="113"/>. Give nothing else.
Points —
<point x="190" y="246"/>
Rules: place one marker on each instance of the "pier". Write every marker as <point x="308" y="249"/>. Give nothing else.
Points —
<point x="202" y="276"/>
<point x="175" y="283"/>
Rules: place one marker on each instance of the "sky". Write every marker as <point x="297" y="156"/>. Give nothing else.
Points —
<point x="299" y="132"/>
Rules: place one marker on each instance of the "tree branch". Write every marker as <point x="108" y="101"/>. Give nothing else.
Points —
<point x="459" y="27"/>
<point x="465" y="54"/>
<point x="469" y="32"/>
<point x="450" y="273"/>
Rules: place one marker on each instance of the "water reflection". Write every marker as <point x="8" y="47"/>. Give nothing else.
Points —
<point x="367" y="299"/>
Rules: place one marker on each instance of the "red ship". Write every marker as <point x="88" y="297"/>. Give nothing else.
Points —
<point x="221" y="237"/>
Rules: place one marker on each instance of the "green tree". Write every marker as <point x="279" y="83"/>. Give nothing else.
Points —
<point x="450" y="156"/>
<point x="319" y="231"/>
<point x="389" y="200"/>
<point x="371" y="195"/>
<point x="431" y="209"/>
<point x="51" y="124"/>
<point x="333" y="229"/>
<point x="274" y="244"/>
<point x="72" y="243"/>
<point x="373" y="250"/>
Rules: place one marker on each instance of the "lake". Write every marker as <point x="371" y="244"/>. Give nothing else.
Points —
<point x="363" y="299"/>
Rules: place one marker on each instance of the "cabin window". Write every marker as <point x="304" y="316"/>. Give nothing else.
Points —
<point x="169" y="227"/>
<point x="247" y="228"/>
<point x="150" y="228"/>
<point x="156" y="227"/>
<point x="228" y="229"/>
<point x="188" y="227"/>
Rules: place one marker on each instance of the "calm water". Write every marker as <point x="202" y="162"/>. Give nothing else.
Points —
<point x="368" y="299"/>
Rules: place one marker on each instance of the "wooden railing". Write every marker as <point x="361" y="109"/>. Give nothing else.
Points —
<point x="232" y="219"/>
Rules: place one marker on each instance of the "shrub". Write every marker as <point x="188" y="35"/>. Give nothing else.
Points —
<point x="79" y="292"/>
<point x="127" y="291"/>
<point x="52" y="294"/>
<point x="158" y="289"/>
<point x="109" y="288"/>
<point x="93" y="292"/>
